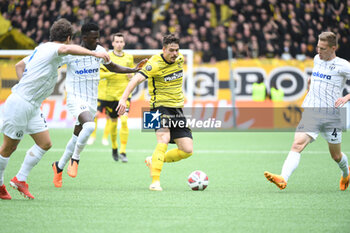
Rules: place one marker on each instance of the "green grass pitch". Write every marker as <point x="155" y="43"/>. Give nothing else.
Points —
<point x="109" y="196"/>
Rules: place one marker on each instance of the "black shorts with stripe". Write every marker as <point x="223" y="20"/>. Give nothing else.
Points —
<point x="175" y="115"/>
<point x="110" y="107"/>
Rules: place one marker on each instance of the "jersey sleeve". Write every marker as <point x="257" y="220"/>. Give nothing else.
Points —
<point x="346" y="69"/>
<point x="99" y="48"/>
<point x="26" y="59"/>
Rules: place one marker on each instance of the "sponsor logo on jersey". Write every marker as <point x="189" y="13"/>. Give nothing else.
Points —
<point x="173" y="76"/>
<point x="320" y="75"/>
<point x="86" y="71"/>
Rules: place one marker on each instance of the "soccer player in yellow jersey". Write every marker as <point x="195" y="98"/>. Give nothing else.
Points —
<point x="165" y="83"/>
<point x="110" y="93"/>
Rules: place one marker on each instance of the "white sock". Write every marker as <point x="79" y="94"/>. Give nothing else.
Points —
<point x="290" y="164"/>
<point x="68" y="152"/>
<point x="84" y="135"/>
<point x="343" y="165"/>
<point x="3" y="163"/>
<point x="33" y="156"/>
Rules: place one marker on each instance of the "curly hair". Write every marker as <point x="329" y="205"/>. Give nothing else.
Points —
<point x="88" y="27"/>
<point x="61" y="30"/>
<point x="170" y="39"/>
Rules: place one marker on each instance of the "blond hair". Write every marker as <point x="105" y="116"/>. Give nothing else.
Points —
<point x="329" y="37"/>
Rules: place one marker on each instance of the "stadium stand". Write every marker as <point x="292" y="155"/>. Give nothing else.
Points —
<point x="253" y="28"/>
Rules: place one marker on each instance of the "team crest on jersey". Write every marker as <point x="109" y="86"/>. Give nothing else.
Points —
<point x="332" y="67"/>
<point x="148" y="67"/>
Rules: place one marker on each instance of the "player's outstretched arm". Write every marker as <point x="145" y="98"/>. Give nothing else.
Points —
<point x="136" y="80"/>
<point x="78" y="50"/>
<point x="122" y="69"/>
<point x="20" y="66"/>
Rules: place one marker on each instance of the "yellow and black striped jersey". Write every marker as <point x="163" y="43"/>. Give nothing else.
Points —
<point x="102" y="86"/>
<point x="115" y="83"/>
<point x="164" y="81"/>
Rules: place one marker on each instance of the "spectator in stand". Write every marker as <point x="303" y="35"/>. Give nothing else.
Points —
<point x="269" y="21"/>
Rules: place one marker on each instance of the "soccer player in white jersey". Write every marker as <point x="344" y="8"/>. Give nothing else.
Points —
<point x="83" y="76"/>
<point x="22" y="115"/>
<point x="321" y="111"/>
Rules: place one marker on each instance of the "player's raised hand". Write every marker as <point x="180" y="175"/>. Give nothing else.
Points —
<point x="103" y="55"/>
<point x="141" y="64"/>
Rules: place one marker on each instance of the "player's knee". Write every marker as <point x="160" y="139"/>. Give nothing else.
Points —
<point x="45" y="145"/>
<point x="89" y="126"/>
<point x="336" y="156"/>
<point x="7" y="151"/>
<point x="124" y="121"/>
<point x="298" y="146"/>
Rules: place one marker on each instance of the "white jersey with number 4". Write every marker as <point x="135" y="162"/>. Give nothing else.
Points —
<point x="327" y="83"/>
<point x="83" y="76"/>
<point x="40" y="74"/>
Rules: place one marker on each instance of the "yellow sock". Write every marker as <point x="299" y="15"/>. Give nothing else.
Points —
<point x="158" y="159"/>
<point x="123" y="133"/>
<point x="155" y="178"/>
<point x="113" y="128"/>
<point x="107" y="129"/>
<point x="175" y="155"/>
<point x="93" y="135"/>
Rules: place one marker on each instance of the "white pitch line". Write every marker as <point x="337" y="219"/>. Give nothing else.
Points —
<point x="209" y="151"/>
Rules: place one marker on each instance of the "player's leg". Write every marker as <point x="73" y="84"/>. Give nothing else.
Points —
<point x="182" y="136"/>
<point x="86" y="119"/>
<point x="333" y="135"/>
<point x="33" y="156"/>
<point x="124" y="135"/>
<point x="155" y="163"/>
<point x="37" y="128"/>
<point x="92" y="137"/>
<point x="301" y="140"/>
<point x="107" y="130"/>
<point x="8" y="146"/>
<point x="184" y="150"/>
<point x="342" y="160"/>
<point x="114" y="132"/>
<point x="58" y="166"/>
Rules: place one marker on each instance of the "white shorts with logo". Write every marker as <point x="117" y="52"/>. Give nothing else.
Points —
<point x="76" y="106"/>
<point x="21" y="117"/>
<point x="329" y="127"/>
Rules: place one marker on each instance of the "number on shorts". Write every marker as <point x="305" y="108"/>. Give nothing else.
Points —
<point x="335" y="132"/>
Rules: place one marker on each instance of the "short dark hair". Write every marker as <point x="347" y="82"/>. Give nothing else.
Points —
<point x="88" y="27"/>
<point x="170" y="39"/>
<point x="118" y="34"/>
<point x="61" y="30"/>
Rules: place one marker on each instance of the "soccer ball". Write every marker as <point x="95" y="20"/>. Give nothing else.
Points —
<point x="198" y="180"/>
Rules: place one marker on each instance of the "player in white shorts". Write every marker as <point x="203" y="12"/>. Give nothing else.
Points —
<point x="83" y="76"/>
<point x="322" y="111"/>
<point x="22" y="115"/>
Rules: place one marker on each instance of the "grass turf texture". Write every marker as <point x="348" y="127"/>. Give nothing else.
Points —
<point x="109" y="196"/>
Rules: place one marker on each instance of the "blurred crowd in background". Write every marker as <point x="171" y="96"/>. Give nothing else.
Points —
<point x="253" y="28"/>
